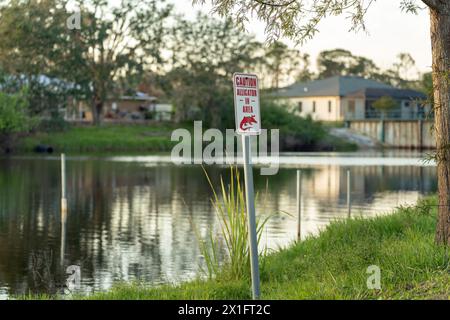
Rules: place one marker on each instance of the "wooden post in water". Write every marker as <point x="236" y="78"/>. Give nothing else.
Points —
<point x="299" y="204"/>
<point x="63" y="237"/>
<point x="63" y="184"/>
<point x="349" y="195"/>
<point x="63" y="208"/>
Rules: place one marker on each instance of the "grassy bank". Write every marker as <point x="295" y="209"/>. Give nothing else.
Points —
<point x="333" y="265"/>
<point x="106" y="138"/>
<point x="133" y="138"/>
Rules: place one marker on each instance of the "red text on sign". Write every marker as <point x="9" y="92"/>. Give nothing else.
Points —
<point x="246" y="92"/>
<point x="245" y="82"/>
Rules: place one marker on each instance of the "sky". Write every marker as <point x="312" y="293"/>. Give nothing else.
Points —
<point x="389" y="32"/>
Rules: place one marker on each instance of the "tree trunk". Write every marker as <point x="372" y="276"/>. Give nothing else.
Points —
<point x="97" y="110"/>
<point x="440" y="44"/>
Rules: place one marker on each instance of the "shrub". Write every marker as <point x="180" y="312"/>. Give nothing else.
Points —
<point x="230" y="207"/>
<point x="296" y="133"/>
<point x="385" y="104"/>
<point x="55" y="123"/>
<point x="13" y="117"/>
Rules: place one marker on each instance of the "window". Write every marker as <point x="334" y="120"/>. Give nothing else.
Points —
<point x="351" y="106"/>
<point x="329" y="106"/>
<point x="314" y="107"/>
<point x="406" y="104"/>
<point x="300" y="106"/>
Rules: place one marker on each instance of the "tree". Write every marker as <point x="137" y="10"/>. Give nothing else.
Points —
<point x="14" y="117"/>
<point x="280" y="62"/>
<point x="304" y="74"/>
<point x="27" y="51"/>
<point x="110" y="42"/>
<point x="385" y="104"/>
<point x="404" y="65"/>
<point x="340" y="62"/>
<point x="363" y="67"/>
<point x="400" y="71"/>
<point x="440" y="46"/>
<point x="334" y="63"/>
<point x="298" y="20"/>
<point x="204" y="54"/>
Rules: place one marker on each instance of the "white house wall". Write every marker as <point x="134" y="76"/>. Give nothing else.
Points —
<point x="360" y="108"/>
<point x="322" y="113"/>
<point x="340" y="108"/>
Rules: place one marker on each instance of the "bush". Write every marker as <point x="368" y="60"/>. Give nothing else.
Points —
<point x="230" y="207"/>
<point x="56" y="123"/>
<point x="13" y="118"/>
<point x="296" y="133"/>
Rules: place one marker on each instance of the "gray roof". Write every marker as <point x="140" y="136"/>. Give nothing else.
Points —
<point x="141" y="96"/>
<point x="334" y="86"/>
<point x="43" y="80"/>
<point x="375" y="93"/>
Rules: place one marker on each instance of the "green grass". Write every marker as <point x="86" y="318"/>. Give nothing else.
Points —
<point x="106" y="138"/>
<point x="156" y="137"/>
<point x="333" y="265"/>
<point x="229" y="204"/>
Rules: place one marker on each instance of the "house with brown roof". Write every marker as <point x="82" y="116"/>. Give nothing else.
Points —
<point x="139" y="106"/>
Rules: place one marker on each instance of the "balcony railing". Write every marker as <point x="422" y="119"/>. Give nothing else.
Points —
<point x="390" y="115"/>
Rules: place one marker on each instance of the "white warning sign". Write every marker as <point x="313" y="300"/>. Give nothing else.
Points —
<point x="246" y="104"/>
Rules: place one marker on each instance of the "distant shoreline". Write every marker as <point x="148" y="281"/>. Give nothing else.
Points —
<point x="135" y="138"/>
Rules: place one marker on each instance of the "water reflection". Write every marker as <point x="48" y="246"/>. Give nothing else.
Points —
<point x="130" y="221"/>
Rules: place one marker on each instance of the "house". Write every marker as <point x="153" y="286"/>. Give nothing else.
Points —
<point x="161" y="111"/>
<point x="132" y="107"/>
<point x="139" y="106"/>
<point x="347" y="97"/>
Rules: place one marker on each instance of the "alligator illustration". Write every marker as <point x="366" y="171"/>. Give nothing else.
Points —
<point x="247" y="122"/>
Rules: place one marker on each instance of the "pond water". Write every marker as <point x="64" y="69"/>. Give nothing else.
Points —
<point x="133" y="218"/>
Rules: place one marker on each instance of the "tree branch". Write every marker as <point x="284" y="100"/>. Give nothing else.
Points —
<point x="275" y="5"/>
<point x="433" y="4"/>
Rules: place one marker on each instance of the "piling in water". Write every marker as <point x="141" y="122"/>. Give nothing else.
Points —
<point x="63" y="184"/>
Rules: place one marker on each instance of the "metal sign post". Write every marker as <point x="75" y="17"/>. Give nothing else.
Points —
<point x="251" y="216"/>
<point x="246" y="103"/>
<point x="299" y="205"/>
